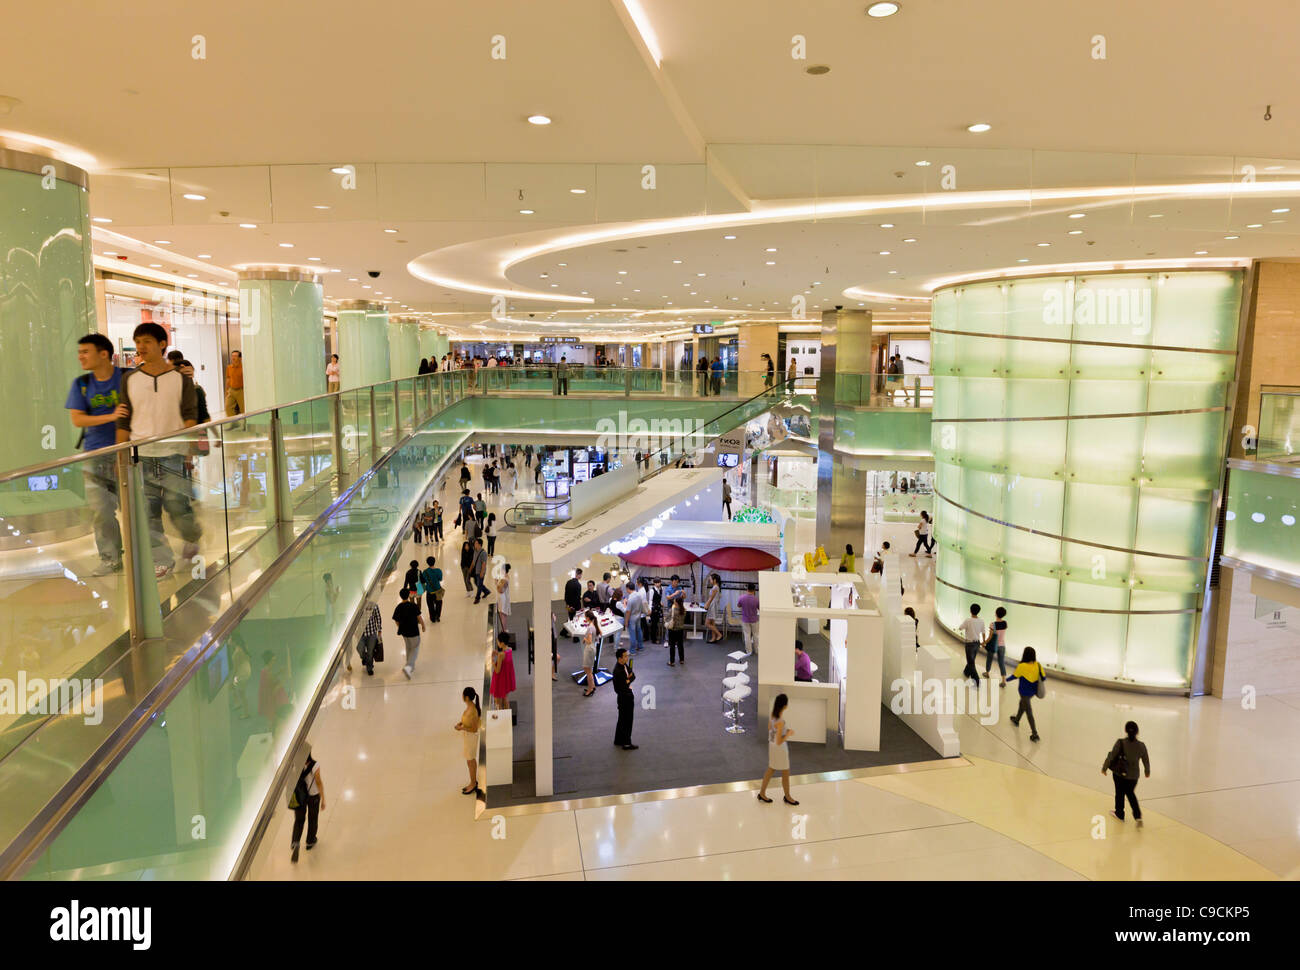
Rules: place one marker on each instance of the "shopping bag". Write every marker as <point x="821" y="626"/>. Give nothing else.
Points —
<point x="379" y="651"/>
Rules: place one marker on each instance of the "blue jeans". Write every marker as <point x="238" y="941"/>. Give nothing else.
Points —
<point x="998" y="653"/>
<point x="101" y="498"/>
<point x="635" y="640"/>
<point x="165" y="487"/>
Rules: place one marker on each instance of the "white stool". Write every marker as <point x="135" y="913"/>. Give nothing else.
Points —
<point x="737" y="654"/>
<point x="735" y="680"/>
<point x="734" y="697"/>
<point x="731" y="668"/>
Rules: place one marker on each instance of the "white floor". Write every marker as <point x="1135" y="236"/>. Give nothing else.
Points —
<point x="1223" y="800"/>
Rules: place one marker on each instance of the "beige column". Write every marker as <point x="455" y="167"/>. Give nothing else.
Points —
<point x="757" y="339"/>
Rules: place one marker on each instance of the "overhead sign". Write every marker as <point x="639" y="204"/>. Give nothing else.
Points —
<point x="732" y="443"/>
<point x="703" y="328"/>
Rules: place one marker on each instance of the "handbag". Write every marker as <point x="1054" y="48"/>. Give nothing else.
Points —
<point x="1041" y="688"/>
<point x="378" y="654"/>
<point x="1119" y="763"/>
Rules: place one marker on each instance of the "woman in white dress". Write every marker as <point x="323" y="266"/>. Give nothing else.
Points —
<point x="589" y="652"/>
<point x="503" y="598"/>
<point x="778" y="750"/>
<point x="713" y="608"/>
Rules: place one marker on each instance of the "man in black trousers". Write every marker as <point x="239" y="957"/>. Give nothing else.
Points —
<point x="623" y="677"/>
<point x="573" y="595"/>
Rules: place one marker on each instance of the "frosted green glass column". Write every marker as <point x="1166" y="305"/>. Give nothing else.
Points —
<point x="280" y="323"/>
<point x="363" y="344"/>
<point x="1079" y="435"/>
<point x="433" y="345"/>
<point x="47" y="302"/>
<point x="403" y="347"/>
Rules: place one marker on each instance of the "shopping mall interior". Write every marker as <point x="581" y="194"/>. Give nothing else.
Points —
<point x="888" y="409"/>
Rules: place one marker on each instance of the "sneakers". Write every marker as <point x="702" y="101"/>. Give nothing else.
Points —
<point x="294" y="857"/>
<point x="1015" y="721"/>
<point x="407" y="671"/>
<point x="107" y="566"/>
<point x="1117" y="815"/>
<point x="1139" y="822"/>
<point x="1034" y="737"/>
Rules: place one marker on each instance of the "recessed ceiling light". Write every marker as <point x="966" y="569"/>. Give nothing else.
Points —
<point x="352" y="279"/>
<point x="1274" y="168"/>
<point x="622" y="272"/>
<point x="923" y="163"/>
<point x="286" y="245"/>
<point x="771" y="262"/>
<point x="155" y="265"/>
<point x="886" y="225"/>
<point x="320" y="207"/>
<point x="205" y="255"/>
<point x="538" y="120"/>
<point x="365" y="286"/>
<point x="1077" y="215"/>
<point x="193" y="196"/>
<point x="563" y="264"/>
<point x="893" y="272"/>
<point x="162" y="242"/>
<point x="110" y="252"/>
<point x="733" y="237"/>
<point x="1231" y="237"/>
<point x="340" y="170"/>
<point x="978" y="127"/>
<point x="1281" y="210"/>
<point x="248" y="225"/>
<point x="1201" y="252"/>
<point x="390" y="230"/>
<point x="104" y="220"/>
<point x="817" y="70"/>
<point x="192" y="275"/>
<point x="1075" y="232"/>
<point x="578" y="191"/>
<point x="699" y="274"/>
<point x="1156" y="215"/>
<point x="885" y="8"/>
<point x="1255" y="225"/>
<point x="1022" y="260"/>
<point x="525" y="212"/>
<point x="910" y="239"/>
<point x="1044" y="244"/>
<point x="314" y="259"/>
<point x="885" y="252"/>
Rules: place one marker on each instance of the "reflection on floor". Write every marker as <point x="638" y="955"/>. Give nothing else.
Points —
<point x="1223" y="800"/>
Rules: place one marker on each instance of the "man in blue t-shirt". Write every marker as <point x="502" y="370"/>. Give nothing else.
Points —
<point x="717" y="375"/>
<point x="95" y="402"/>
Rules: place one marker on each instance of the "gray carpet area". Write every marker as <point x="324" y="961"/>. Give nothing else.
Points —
<point x="682" y="740"/>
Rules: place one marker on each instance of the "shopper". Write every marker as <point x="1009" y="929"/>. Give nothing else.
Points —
<point x="412" y="579"/>
<point x="748" y="604"/>
<point x="716" y="369"/>
<point x="94" y="405"/>
<point x="573" y="595"/>
<point x="1031" y="675"/>
<point x="589" y="637"/>
<point x="713" y="608"/>
<point x="424" y="366"/>
<point x="186" y="368"/>
<point x="802" y="662"/>
<point x="591" y="598"/>
<point x="502" y="684"/>
<point x="466" y="509"/>
<point x="437" y="521"/>
<point x="332" y="374"/>
<point x="770" y="377"/>
<point x="161" y="400"/>
<point x="562" y="376"/>
<point x="1122" y="762"/>
<point x="635" y="612"/>
<point x="623" y="679"/>
<point x="603" y="591"/>
<point x="466" y="560"/>
<point x="848" y="561"/>
<point x="676" y="629"/>
<point x="306" y="798"/>
<point x="503" y="598"/>
<point x="702" y="370"/>
<point x="480" y="510"/>
<point x="916" y="630"/>
<point x="464" y="477"/>
<point x="923" y="535"/>
<point x="478" y="570"/>
<point x="468" y="726"/>
<point x="778" y="750"/>
<point x="995" y="645"/>
<point x="726" y="498"/>
<point x="972" y="631"/>
<point x="431" y="577"/>
<point x="372" y="638"/>
<point x="234" y="384"/>
<point x="655" y="597"/>
<point x="792" y="373"/>
<point x="409" y="626"/>
<point x="417" y="527"/>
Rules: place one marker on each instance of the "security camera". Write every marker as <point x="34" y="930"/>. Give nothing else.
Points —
<point x="531" y="315"/>
<point x="838" y="307"/>
<point x="373" y="274"/>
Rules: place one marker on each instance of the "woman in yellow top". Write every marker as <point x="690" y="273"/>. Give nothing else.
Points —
<point x="468" y="725"/>
<point x="1030" y="672"/>
<point x="849" y="561"/>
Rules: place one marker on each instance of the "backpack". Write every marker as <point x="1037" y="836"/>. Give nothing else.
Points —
<point x="1119" y="763"/>
<point x="83" y="384"/>
<point x="298" y="797"/>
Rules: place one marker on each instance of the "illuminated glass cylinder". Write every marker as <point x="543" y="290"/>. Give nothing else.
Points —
<point x="1079" y="436"/>
<point x="363" y="344"/>
<point x="280" y="314"/>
